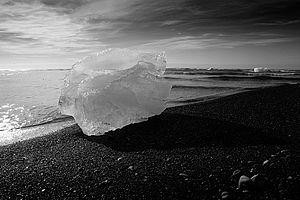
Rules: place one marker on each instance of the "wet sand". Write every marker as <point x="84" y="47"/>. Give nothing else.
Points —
<point x="197" y="151"/>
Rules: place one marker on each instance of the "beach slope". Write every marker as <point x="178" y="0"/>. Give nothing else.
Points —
<point x="197" y="151"/>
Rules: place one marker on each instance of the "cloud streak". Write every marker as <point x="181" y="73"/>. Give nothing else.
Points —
<point x="207" y="41"/>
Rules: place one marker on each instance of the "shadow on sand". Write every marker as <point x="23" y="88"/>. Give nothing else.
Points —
<point x="169" y="131"/>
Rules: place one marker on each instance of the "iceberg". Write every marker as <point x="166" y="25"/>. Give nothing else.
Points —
<point x="115" y="88"/>
<point x="260" y="69"/>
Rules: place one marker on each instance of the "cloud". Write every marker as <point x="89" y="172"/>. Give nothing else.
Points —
<point x="170" y="22"/>
<point x="68" y="4"/>
<point x="29" y="28"/>
<point x="279" y="23"/>
<point x="212" y="41"/>
<point x="73" y="28"/>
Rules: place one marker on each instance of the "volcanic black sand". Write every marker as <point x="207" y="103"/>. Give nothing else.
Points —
<point x="198" y="151"/>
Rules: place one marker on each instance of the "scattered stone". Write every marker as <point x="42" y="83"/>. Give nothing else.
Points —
<point x="259" y="181"/>
<point x="253" y="178"/>
<point x="183" y="174"/>
<point x="244" y="182"/>
<point x="119" y="158"/>
<point x="236" y="172"/>
<point x="253" y="170"/>
<point x="104" y="183"/>
<point x="282" y="192"/>
<point x="265" y="162"/>
<point x="224" y="195"/>
<point x="284" y="151"/>
<point x="75" y="177"/>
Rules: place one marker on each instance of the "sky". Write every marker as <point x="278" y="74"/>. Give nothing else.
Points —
<point x="57" y="33"/>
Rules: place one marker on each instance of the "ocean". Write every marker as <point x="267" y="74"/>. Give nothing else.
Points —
<point x="29" y="98"/>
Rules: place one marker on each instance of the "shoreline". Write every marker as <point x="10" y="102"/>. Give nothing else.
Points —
<point x="50" y="127"/>
<point x="196" y="151"/>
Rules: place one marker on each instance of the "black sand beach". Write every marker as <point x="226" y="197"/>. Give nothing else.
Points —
<point x="197" y="151"/>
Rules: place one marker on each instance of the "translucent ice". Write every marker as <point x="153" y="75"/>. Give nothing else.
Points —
<point x="114" y="88"/>
<point x="260" y="69"/>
